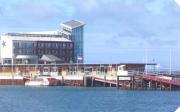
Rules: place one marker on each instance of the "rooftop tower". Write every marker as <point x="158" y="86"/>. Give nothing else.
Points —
<point x="75" y="29"/>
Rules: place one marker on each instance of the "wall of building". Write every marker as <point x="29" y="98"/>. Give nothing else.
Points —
<point x="77" y="37"/>
<point x="6" y="47"/>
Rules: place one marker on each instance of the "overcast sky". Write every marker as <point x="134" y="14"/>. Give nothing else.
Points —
<point x="116" y="30"/>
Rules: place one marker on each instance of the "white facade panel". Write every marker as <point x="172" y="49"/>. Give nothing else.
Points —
<point x="6" y="47"/>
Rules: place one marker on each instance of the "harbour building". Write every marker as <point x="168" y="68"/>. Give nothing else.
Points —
<point x="62" y="46"/>
<point x="75" y="29"/>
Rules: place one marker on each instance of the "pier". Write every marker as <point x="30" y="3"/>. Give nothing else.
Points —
<point x="136" y="82"/>
<point x="124" y="75"/>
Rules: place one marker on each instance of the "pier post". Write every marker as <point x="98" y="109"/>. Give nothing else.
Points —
<point x="150" y="84"/>
<point x="145" y="85"/>
<point x="92" y="82"/>
<point x="62" y="81"/>
<point x="160" y="85"/>
<point x="117" y="82"/>
<point x="142" y="84"/>
<point x="104" y="81"/>
<point x="170" y="87"/>
<point x="85" y="81"/>
<point x="156" y="85"/>
<point x="132" y="82"/>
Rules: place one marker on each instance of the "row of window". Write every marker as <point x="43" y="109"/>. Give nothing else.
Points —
<point x="55" y="45"/>
<point x="60" y="52"/>
<point x="24" y="52"/>
<point x="31" y="52"/>
<point x="22" y="44"/>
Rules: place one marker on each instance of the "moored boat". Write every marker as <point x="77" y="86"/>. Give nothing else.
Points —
<point x="43" y="81"/>
<point x="40" y="81"/>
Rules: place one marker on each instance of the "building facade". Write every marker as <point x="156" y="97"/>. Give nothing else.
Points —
<point x="63" y="46"/>
<point x="18" y="48"/>
<point x="75" y="29"/>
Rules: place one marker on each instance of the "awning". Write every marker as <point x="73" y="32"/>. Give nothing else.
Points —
<point x="26" y="57"/>
<point x="50" y="58"/>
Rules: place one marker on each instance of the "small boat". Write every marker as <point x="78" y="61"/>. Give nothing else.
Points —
<point x="178" y="109"/>
<point x="43" y="81"/>
<point x="40" y="81"/>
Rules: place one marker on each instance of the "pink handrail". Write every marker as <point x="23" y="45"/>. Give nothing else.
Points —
<point x="157" y="78"/>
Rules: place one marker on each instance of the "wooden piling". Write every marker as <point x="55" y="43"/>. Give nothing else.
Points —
<point x="156" y="85"/>
<point x="117" y="82"/>
<point x="104" y="81"/>
<point x="160" y="85"/>
<point x="150" y="84"/>
<point x="85" y="81"/>
<point x="132" y="82"/>
<point x="170" y="87"/>
<point x="92" y="82"/>
<point x="142" y="84"/>
<point x="62" y="81"/>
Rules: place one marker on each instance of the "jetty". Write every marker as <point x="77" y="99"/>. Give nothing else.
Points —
<point x="131" y="76"/>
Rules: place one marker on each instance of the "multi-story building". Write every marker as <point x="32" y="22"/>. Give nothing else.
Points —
<point x="63" y="46"/>
<point x="35" y="48"/>
<point x="75" y="29"/>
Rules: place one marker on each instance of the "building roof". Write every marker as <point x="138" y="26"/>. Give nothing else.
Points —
<point x="36" y="37"/>
<point x="45" y="32"/>
<point x="73" y="24"/>
<point x="36" y="34"/>
<point x="50" y="58"/>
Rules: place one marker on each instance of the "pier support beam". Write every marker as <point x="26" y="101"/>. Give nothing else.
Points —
<point x="85" y="81"/>
<point x="145" y="83"/>
<point x="142" y="84"/>
<point x="132" y="82"/>
<point x="160" y="85"/>
<point x="150" y="84"/>
<point x="62" y="81"/>
<point x="156" y="85"/>
<point x="104" y="81"/>
<point x="92" y="82"/>
<point x="170" y="87"/>
<point x="117" y="82"/>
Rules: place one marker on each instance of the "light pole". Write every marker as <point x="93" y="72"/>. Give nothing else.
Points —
<point x="78" y="58"/>
<point x="170" y="61"/>
<point x="110" y="69"/>
<point x="12" y="71"/>
<point x="26" y="62"/>
<point x="146" y="60"/>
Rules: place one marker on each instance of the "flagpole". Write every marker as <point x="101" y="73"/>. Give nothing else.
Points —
<point x="146" y="60"/>
<point x="77" y="65"/>
<point x="170" y="61"/>
<point x="12" y="70"/>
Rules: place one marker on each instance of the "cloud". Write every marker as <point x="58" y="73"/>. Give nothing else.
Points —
<point x="134" y="33"/>
<point x="88" y="5"/>
<point x="1" y="11"/>
<point x="178" y="2"/>
<point x="163" y="43"/>
<point x="115" y="24"/>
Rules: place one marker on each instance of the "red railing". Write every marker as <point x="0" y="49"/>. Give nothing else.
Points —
<point x="158" y="79"/>
<point x="103" y="80"/>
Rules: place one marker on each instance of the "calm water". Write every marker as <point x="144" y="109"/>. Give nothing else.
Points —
<point x="69" y="99"/>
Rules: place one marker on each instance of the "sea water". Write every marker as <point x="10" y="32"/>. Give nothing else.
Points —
<point x="79" y="99"/>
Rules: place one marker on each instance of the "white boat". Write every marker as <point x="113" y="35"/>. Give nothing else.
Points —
<point x="40" y="81"/>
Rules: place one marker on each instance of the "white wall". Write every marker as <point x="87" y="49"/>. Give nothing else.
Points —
<point x="6" y="50"/>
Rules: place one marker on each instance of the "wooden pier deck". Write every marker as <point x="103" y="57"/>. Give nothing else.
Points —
<point x="155" y="82"/>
